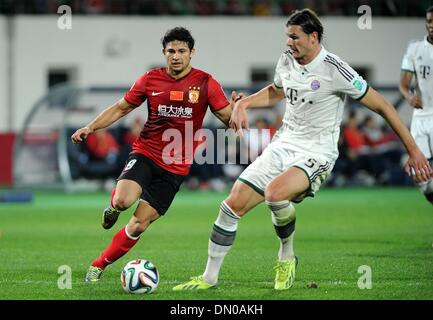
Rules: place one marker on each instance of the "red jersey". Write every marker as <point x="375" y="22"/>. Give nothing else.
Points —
<point x="176" y="109"/>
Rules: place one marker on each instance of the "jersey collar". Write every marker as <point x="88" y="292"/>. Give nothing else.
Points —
<point x="426" y="43"/>
<point x="317" y="60"/>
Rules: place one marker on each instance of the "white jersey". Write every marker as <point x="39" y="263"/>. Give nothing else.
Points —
<point x="315" y="95"/>
<point x="418" y="59"/>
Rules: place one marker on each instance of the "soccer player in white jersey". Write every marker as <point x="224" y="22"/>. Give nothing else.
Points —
<point x="303" y="151"/>
<point x="418" y="63"/>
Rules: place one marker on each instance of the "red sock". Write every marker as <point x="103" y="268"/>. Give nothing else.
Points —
<point x="112" y="197"/>
<point x="120" y="245"/>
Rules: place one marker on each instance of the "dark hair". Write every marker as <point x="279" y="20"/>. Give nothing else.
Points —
<point x="307" y="19"/>
<point x="179" y="34"/>
<point x="430" y="9"/>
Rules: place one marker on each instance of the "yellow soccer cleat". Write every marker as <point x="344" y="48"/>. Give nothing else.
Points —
<point x="93" y="274"/>
<point x="196" y="283"/>
<point x="285" y="276"/>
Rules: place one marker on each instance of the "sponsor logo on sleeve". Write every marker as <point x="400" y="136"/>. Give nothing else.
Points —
<point x="358" y="85"/>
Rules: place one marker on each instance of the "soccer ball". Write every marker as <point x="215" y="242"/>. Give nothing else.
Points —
<point x="139" y="276"/>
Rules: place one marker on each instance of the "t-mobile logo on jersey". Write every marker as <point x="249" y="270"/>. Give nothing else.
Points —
<point x="425" y="71"/>
<point x="292" y="95"/>
<point x="173" y="111"/>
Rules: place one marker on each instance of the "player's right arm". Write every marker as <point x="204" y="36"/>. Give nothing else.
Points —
<point x="266" y="97"/>
<point x="104" y="119"/>
<point x="407" y="72"/>
<point x="405" y="80"/>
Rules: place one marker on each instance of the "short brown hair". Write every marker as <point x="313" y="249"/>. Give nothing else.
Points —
<point x="308" y="20"/>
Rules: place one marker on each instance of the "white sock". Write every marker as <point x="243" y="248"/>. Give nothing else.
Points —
<point x="284" y="218"/>
<point x="286" y="248"/>
<point x="221" y="240"/>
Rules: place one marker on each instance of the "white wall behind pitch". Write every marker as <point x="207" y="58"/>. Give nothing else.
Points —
<point x="226" y="47"/>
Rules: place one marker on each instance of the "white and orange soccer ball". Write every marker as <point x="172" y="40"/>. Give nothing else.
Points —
<point x="139" y="276"/>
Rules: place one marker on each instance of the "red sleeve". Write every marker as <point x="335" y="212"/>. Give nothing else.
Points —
<point x="216" y="96"/>
<point x="137" y="94"/>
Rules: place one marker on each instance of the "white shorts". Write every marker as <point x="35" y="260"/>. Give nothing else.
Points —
<point x="276" y="159"/>
<point x="422" y="131"/>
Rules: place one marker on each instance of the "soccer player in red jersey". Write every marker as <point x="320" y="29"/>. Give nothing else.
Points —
<point x="177" y="98"/>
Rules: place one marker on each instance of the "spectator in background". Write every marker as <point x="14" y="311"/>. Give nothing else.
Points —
<point x="386" y="149"/>
<point x="354" y="137"/>
<point x="360" y="167"/>
<point x="205" y="8"/>
<point x="261" y="8"/>
<point x="95" y="6"/>
<point x="134" y="131"/>
<point x="379" y="139"/>
<point x="257" y="139"/>
<point x="232" y="8"/>
<point x="286" y="7"/>
<point x="103" y="146"/>
<point x="98" y="158"/>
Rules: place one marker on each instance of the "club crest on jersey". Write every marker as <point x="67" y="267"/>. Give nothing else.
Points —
<point x="315" y="85"/>
<point x="193" y="94"/>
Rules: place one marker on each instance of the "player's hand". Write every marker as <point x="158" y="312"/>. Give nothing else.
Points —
<point x="236" y="97"/>
<point x="415" y="101"/>
<point x="418" y="167"/>
<point x="81" y="134"/>
<point x="239" y="119"/>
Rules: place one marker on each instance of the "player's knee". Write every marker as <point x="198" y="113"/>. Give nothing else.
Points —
<point x="274" y="194"/>
<point x="236" y="205"/>
<point x="122" y="202"/>
<point x="227" y="218"/>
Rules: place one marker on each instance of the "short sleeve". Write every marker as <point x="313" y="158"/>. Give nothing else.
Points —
<point x="137" y="94"/>
<point x="346" y="80"/>
<point x="407" y="63"/>
<point x="278" y="82"/>
<point x="216" y="96"/>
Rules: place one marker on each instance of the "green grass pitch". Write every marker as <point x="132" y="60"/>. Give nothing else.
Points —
<point x="388" y="230"/>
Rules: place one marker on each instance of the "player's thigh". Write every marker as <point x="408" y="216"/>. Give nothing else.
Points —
<point x="423" y="135"/>
<point x="243" y="198"/>
<point x="133" y="180"/>
<point x="127" y="192"/>
<point x="288" y="185"/>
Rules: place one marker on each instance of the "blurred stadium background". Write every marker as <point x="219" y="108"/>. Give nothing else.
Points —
<point x="55" y="80"/>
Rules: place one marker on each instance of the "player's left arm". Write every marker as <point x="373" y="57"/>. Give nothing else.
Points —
<point x="417" y="165"/>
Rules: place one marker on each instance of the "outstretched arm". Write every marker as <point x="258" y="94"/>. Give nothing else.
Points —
<point x="266" y="97"/>
<point x="417" y="165"/>
<point x="225" y="113"/>
<point x="103" y="120"/>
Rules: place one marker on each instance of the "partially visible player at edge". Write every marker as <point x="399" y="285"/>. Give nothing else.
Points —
<point x="175" y="94"/>
<point x="418" y="62"/>
<point x="303" y="152"/>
